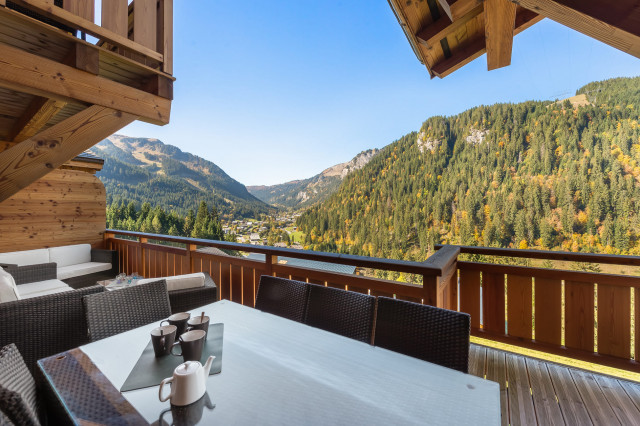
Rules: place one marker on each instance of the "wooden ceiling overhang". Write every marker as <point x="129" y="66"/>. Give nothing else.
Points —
<point x="448" y="34"/>
<point x="60" y="95"/>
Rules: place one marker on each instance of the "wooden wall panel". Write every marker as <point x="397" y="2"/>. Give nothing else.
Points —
<point x="64" y="207"/>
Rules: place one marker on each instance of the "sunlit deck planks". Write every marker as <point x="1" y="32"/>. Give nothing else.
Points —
<point x="538" y="392"/>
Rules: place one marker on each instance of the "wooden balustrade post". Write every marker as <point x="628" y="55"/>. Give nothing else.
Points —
<point x="441" y="289"/>
<point x="143" y="256"/>
<point x="268" y="262"/>
<point x="190" y="249"/>
<point x="108" y="244"/>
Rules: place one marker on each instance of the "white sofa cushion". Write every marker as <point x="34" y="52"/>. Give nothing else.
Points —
<point x="8" y="292"/>
<point x="70" y="255"/>
<point x="179" y="282"/>
<point x="41" y="288"/>
<point x="27" y="257"/>
<point x="82" y="269"/>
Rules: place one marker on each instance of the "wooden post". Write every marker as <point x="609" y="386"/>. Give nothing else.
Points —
<point x="164" y="43"/>
<point x="441" y="288"/>
<point x="191" y="248"/>
<point x="430" y="290"/>
<point x="143" y="256"/>
<point x="268" y="262"/>
<point x="107" y="240"/>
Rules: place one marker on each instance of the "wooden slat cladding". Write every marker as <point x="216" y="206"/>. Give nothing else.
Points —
<point x="519" y="306"/>
<point x="548" y="311"/>
<point x="470" y="295"/>
<point x="493" y="302"/>
<point x="579" y="315"/>
<point x="614" y="321"/>
<point x="65" y="207"/>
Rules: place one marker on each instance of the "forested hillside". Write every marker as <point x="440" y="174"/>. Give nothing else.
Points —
<point x="529" y="175"/>
<point x="147" y="170"/>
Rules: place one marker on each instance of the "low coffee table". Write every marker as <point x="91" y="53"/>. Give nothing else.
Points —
<point x="113" y="283"/>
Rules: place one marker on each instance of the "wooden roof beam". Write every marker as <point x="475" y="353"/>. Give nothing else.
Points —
<point x="456" y="9"/>
<point x="462" y="56"/>
<point x="431" y="34"/>
<point x="499" y="21"/>
<point x="616" y="23"/>
<point x="28" y="73"/>
<point x="37" y="114"/>
<point x="33" y="158"/>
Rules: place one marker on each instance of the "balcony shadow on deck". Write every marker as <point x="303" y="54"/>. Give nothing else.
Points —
<point x="538" y="392"/>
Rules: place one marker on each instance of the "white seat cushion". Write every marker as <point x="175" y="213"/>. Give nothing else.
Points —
<point x="41" y="288"/>
<point x="8" y="292"/>
<point x="27" y="257"/>
<point x="179" y="282"/>
<point x="82" y="269"/>
<point x="70" y="255"/>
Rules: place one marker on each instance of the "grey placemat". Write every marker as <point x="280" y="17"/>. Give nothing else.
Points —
<point x="150" y="371"/>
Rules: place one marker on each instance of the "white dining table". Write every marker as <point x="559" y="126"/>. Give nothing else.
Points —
<point x="279" y="372"/>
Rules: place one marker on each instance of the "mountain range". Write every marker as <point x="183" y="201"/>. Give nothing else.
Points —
<point x="298" y="194"/>
<point x="147" y="170"/>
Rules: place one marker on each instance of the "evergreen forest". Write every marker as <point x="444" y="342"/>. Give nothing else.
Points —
<point x="545" y="175"/>
<point x="203" y="224"/>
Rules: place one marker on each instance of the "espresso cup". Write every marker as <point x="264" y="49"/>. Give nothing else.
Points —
<point x="191" y="343"/>
<point x="199" y="323"/>
<point x="179" y="320"/>
<point x="163" y="339"/>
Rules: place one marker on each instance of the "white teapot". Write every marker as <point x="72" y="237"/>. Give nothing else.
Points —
<point x="188" y="384"/>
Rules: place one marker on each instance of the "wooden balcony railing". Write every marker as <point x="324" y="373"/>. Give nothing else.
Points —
<point x="581" y="315"/>
<point x="142" y="30"/>
<point x="237" y="278"/>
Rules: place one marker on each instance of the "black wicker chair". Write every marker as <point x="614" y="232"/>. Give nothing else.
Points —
<point x="114" y="312"/>
<point x="432" y="334"/>
<point x="18" y="398"/>
<point x="46" y="325"/>
<point x="347" y="313"/>
<point x="282" y="297"/>
<point x="191" y="298"/>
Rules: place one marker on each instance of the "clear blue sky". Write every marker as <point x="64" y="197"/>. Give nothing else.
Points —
<point x="274" y="91"/>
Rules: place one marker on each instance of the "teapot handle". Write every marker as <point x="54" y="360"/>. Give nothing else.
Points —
<point x="167" y="380"/>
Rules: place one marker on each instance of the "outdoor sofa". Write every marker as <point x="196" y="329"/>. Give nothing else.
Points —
<point x="57" y="269"/>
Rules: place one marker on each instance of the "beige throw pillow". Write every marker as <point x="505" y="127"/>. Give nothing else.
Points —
<point x="8" y="290"/>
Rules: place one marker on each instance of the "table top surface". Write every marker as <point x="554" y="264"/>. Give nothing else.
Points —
<point x="277" y="371"/>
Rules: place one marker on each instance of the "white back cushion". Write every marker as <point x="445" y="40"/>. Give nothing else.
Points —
<point x="70" y="255"/>
<point x="8" y="291"/>
<point x="179" y="282"/>
<point x="27" y="257"/>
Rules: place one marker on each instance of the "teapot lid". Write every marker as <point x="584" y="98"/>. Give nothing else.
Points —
<point x="187" y="368"/>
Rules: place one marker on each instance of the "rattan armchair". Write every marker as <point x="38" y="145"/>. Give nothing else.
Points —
<point x="432" y="334"/>
<point x="282" y="297"/>
<point x="117" y="311"/>
<point x="45" y="325"/>
<point x="191" y="298"/>
<point x="18" y="399"/>
<point x="347" y="313"/>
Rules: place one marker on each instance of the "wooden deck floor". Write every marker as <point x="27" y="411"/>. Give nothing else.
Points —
<point x="537" y="392"/>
